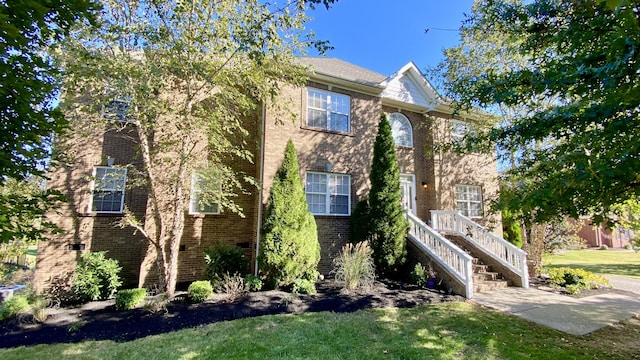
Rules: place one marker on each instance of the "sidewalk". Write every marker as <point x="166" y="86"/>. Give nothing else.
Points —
<point x="576" y="316"/>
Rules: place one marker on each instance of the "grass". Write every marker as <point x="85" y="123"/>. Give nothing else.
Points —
<point x="445" y="331"/>
<point x="618" y="262"/>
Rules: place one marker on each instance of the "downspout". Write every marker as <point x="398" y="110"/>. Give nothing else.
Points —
<point x="260" y="182"/>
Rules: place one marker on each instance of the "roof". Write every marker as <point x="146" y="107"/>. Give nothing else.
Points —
<point x="341" y="69"/>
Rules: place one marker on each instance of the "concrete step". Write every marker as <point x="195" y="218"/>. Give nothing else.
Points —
<point x="486" y="276"/>
<point x="481" y="268"/>
<point x="490" y="285"/>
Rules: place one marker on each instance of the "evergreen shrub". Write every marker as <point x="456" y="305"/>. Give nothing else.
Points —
<point x="303" y="286"/>
<point x="289" y="249"/>
<point x="224" y="259"/>
<point x="130" y="298"/>
<point x="199" y="291"/>
<point x="12" y="306"/>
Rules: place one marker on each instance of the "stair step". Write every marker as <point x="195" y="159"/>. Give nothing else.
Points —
<point x="491" y="285"/>
<point x="486" y="276"/>
<point x="480" y="268"/>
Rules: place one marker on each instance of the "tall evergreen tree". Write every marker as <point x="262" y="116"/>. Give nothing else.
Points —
<point x="289" y="249"/>
<point x="387" y="223"/>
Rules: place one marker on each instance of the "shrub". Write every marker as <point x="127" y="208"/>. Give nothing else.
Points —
<point x="359" y="221"/>
<point x="158" y="303"/>
<point x="289" y="248"/>
<point x="12" y="306"/>
<point x="199" y="291"/>
<point x="575" y="280"/>
<point x="303" y="286"/>
<point x="419" y="275"/>
<point x="233" y="286"/>
<point x="223" y="259"/>
<point x="354" y="266"/>
<point x="386" y="216"/>
<point x="252" y="283"/>
<point x="39" y="309"/>
<point x="96" y="278"/>
<point x="628" y="246"/>
<point x="511" y="228"/>
<point x="604" y="247"/>
<point x="130" y="298"/>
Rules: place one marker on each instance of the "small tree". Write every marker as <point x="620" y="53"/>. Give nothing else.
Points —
<point x="511" y="228"/>
<point x="386" y="215"/>
<point x="289" y="249"/>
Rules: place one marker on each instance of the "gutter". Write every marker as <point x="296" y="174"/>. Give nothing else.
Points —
<point x="261" y="182"/>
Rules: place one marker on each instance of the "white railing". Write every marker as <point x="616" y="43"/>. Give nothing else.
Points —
<point x="498" y="248"/>
<point x="447" y="254"/>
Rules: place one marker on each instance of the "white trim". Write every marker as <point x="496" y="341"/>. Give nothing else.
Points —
<point x="412" y="182"/>
<point x="108" y="183"/>
<point x="464" y="188"/>
<point x="328" y="192"/>
<point x="456" y="136"/>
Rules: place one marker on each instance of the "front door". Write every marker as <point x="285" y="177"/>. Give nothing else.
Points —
<point x="408" y="189"/>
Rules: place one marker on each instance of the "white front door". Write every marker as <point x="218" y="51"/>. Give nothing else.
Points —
<point x="408" y="189"/>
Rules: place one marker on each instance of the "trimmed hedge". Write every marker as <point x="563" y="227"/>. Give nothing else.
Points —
<point x="130" y="298"/>
<point x="199" y="291"/>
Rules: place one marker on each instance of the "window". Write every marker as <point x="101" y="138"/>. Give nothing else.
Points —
<point x="469" y="200"/>
<point x="401" y="130"/>
<point x="116" y="110"/>
<point x="107" y="190"/>
<point x="200" y="200"/>
<point x="328" y="194"/>
<point x="459" y="130"/>
<point x="328" y="110"/>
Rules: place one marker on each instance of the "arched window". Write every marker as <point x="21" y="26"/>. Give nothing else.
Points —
<point x="401" y="130"/>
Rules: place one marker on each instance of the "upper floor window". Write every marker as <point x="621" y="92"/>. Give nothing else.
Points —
<point x="469" y="200"/>
<point x="107" y="189"/>
<point x="199" y="201"/>
<point x="459" y="130"/>
<point x="328" y="110"/>
<point x="116" y="110"/>
<point x="328" y="194"/>
<point x="401" y="130"/>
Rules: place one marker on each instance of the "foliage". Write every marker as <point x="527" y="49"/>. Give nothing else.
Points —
<point x="511" y="228"/>
<point x="224" y="259"/>
<point x="386" y="216"/>
<point x="568" y="68"/>
<point x="359" y="221"/>
<point x="23" y="207"/>
<point x="252" y="283"/>
<point x="39" y="309"/>
<point x="289" y="249"/>
<point x="96" y="277"/>
<point x="562" y="235"/>
<point x="303" y="286"/>
<point x="128" y="299"/>
<point x="233" y="286"/>
<point x="575" y="280"/>
<point x="354" y="266"/>
<point x="30" y="80"/>
<point x="12" y="306"/>
<point x="199" y="291"/>
<point x="194" y="76"/>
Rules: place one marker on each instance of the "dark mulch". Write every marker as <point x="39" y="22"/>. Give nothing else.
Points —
<point x="100" y="320"/>
<point x="545" y="284"/>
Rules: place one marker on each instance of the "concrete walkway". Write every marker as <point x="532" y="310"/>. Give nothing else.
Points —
<point x="576" y="316"/>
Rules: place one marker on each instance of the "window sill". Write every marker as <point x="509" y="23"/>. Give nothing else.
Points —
<point x="97" y="214"/>
<point x="202" y="216"/>
<point x="331" y="215"/>
<point x="344" y="133"/>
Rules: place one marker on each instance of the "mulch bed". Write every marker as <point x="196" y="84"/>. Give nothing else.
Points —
<point x="100" y="320"/>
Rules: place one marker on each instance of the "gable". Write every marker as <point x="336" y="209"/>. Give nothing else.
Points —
<point x="409" y="88"/>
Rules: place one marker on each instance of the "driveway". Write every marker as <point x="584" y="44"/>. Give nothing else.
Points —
<point x="624" y="283"/>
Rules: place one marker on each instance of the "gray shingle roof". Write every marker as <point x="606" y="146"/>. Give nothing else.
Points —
<point x="343" y="70"/>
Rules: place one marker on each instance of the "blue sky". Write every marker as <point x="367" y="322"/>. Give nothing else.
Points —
<point x="384" y="35"/>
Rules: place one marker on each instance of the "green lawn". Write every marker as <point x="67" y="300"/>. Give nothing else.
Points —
<point x="445" y="331"/>
<point x="613" y="262"/>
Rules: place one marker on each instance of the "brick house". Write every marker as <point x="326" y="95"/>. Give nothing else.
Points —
<point x="338" y="114"/>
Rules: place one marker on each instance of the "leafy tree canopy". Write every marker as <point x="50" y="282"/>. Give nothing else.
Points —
<point x="29" y="79"/>
<point x="569" y="70"/>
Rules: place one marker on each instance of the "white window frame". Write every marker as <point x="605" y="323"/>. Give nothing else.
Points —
<point x="195" y="198"/>
<point x="332" y="105"/>
<point x="116" y="111"/>
<point x="459" y="129"/>
<point x="399" y="122"/>
<point x="330" y="190"/>
<point x="466" y="189"/>
<point x="107" y="183"/>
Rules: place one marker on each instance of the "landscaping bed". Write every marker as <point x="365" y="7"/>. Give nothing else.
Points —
<point x="101" y="321"/>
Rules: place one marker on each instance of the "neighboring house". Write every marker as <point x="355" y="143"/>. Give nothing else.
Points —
<point x="600" y="235"/>
<point x="334" y="132"/>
